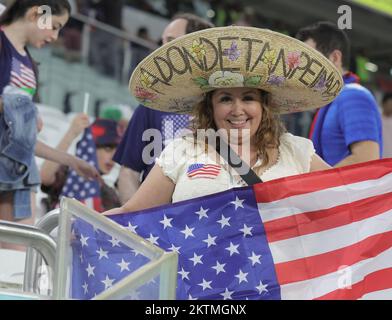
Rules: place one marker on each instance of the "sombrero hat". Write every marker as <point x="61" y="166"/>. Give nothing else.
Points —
<point x="175" y="77"/>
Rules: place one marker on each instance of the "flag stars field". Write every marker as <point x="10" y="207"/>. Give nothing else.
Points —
<point x="174" y="248"/>
<point x="202" y="213"/>
<point x="183" y="274"/>
<point x="238" y="203"/>
<point x="108" y="282"/>
<point x="205" y="284"/>
<point x="85" y="287"/>
<point x="247" y="231"/>
<point x="233" y="249"/>
<point x="131" y="227"/>
<point x="224" y="221"/>
<point x="242" y="276"/>
<point x="227" y="294"/>
<point x="83" y="240"/>
<point x="210" y="241"/>
<point x="152" y="239"/>
<point x="123" y="265"/>
<point x="255" y="258"/>
<point x="188" y="232"/>
<point x="219" y="267"/>
<point x="262" y="287"/>
<point x="196" y="259"/>
<point x="114" y="242"/>
<point x="90" y="271"/>
<point x="166" y="222"/>
<point x="102" y="254"/>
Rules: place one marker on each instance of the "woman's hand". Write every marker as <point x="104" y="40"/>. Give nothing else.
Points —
<point x="114" y="211"/>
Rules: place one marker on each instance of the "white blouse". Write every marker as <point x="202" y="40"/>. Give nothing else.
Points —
<point x="183" y="163"/>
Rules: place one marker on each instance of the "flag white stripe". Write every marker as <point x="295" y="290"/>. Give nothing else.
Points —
<point x="320" y="286"/>
<point x="28" y="76"/>
<point x="324" y="199"/>
<point x="27" y="70"/>
<point x="23" y="78"/>
<point x="331" y="239"/>
<point x="378" y="295"/>
<point x="89" y="203"/>
<point x="16" y="82"/>
<point x="23" y="81"/>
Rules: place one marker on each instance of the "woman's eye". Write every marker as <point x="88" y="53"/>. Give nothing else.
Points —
<point x="225" y="99"/>
<point x="249" y="98"/>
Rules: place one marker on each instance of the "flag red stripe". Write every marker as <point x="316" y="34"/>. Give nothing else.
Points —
<point x="310" y="182"/>
<point x="24" y="77"/>
<point x="97" y="202"/>
<point x="202" y="171"/>
<point x="311" y="222"/>
<point x="376" y="281"/>
<point x="318" y="265"/>
<point x="27" y="70"/>
<point x="22" y="81"/>
<point x="205" y="169"/>
<point x="204" y="175"/>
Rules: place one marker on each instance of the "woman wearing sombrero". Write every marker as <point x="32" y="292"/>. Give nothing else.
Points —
<point x="235" y="81"/>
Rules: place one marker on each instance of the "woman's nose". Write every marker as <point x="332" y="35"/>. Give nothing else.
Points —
<point x="237" y="108"/>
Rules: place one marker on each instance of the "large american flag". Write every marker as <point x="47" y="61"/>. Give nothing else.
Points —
<point x="23" y="77"/>
<point x="86" y="191"/>
<point x="322" y="235"/>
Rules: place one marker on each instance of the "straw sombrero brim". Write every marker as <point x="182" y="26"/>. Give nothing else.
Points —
<point x="176" y="76"/>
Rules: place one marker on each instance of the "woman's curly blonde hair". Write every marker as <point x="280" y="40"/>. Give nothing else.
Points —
<point x="267" y="135"/>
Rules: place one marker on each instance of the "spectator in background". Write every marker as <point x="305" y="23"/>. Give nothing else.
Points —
<point x="130" y="150"/>
<point x="139" y="52"/>
<point x="387" y="124"/>
<point x="53" y="174"/>
<point x="348" y="130"/>
<point x="119" y="113"/>
<point x="72" y="33"/>
<point x="106" y="138"/>
<point x="19" y="28"/>
<point x="106" y="50"/>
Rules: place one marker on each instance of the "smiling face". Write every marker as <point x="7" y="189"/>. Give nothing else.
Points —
<point x="236" y="110"/>
<point x="40" y="32"/>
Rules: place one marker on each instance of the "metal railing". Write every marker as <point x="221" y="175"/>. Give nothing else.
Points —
<point x="33" y="261"/>
<point x="161" y="262"/>
<point x="31" y="237"/>
<point x="89" y="21"/>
